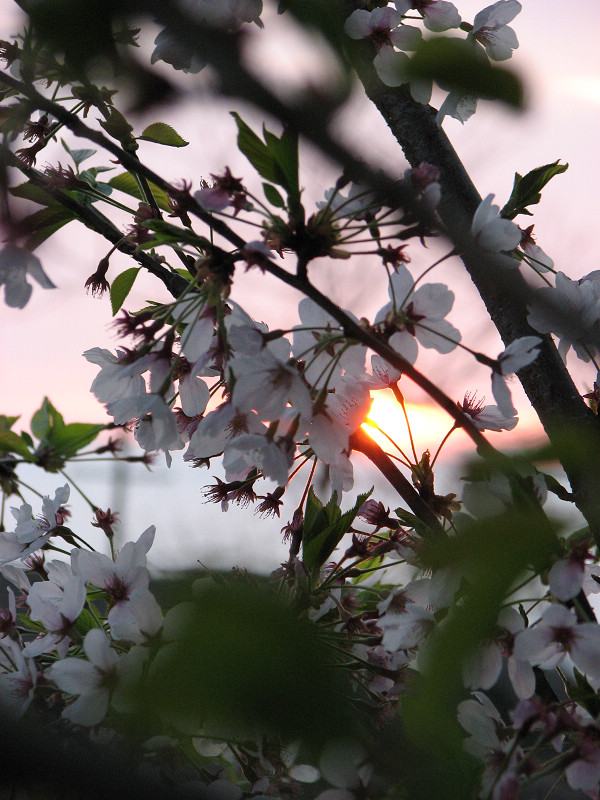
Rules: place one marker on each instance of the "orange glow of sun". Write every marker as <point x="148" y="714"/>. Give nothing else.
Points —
<point x="428" y="423"/>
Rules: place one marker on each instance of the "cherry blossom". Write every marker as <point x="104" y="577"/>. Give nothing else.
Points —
<point x="57" y="609"/>
<point x="438" y="15"/>
<point x="104" y="676"/>
<point x="571" y="311"/>
<point x="486" y="418"/>
<point x="248" y="450"/>
<point x="518" y="354"/>
<point x="119" y="376"/>
<point x="384" y="27"/>
<point x="15" y="265"/>
<point x="417" y="315"/>
<point x="134" y="613"/>
<point x="490" y="28"/>
<point x="492" y="232"/>
<point x="558" y="635"/>
<point x="458" y="105"/>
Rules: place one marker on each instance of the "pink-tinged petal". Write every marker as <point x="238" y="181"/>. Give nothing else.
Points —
<point x="97" y="648"/>
<point x="193" y="395"/>
<point x="502" y="395"/>
<point x="522" y="677"/>
<point x="89" y="709"/>
<point x="434" y="300"/>
<point x="438" y="335"/>
<point x="215" y="199"/>
<point x="94" y="568"/>
<point x="391" y="66"/>
<point x="584" y="773"/>
<point x="586" y="650"/>
<point x="566" y="578"/>
<point x="406" y="345"/>
<point x="74" y="676"/>
<point x="406" y="37"/>
<point x="358" y="26"/>
<point x="441" y="16"/>
<point x="536" y="645"/>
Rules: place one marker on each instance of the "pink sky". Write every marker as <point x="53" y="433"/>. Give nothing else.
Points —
<point x="42" y="345"/>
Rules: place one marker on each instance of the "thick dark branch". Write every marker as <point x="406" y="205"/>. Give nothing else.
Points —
<point x="362" y="442"/>
<point x="547" y="382"/>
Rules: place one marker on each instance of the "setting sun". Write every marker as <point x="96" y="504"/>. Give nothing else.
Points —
<point x="428" y="423"/>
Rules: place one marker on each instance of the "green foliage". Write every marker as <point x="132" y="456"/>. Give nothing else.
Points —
<point x="324" y="526"/>
<point x="59" y="441"/>
<point x="527" y="191"/>
<point x="121" y="286"/>
<point x="459" y="65"/>
<point x="126" y="183"/>
<point x="275" y="159"/>
<point x="243" y="660"/>
<point x="161" y="133"/>
<point x="78" y="156"/>
<point x="44" y="223"/>
<point x="273" y="196"/>
<point x="11" y="442"/>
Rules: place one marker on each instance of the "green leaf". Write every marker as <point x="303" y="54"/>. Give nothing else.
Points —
<point x="6" y="423"/>
<point x="324" y="527"/>
<point x="11" y="442"/>
<point x="161" y="133"/>
<point x="244" y="659"/>
<point x="126" y="183"/>
<point x="45" y="420"/>
<point x="121" y="286"/>
<point x="527" y="190"/>
<point x="462" y="66"/>
<point x="85" y="622"/>
<point x="29" y="191"/>
<point x="273" y="196"/>
<point x="44" y="223"/>
<point x="117" y="126"/>
<point x="78" y="156"/>
<point x="285" y="151"/>
<point x="256" y="151"/>
<point x="73" y="437"/>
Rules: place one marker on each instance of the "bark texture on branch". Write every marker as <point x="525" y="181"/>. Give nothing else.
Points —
<point x="505" y="293"/>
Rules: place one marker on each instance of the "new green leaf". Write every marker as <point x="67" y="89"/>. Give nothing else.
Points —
<point x="161" y="133"/>
<point x="121" y="286"/>
<point x="527" y="191"/>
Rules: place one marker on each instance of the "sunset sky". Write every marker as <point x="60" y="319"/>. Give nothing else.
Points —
<point x="42" y="345"/>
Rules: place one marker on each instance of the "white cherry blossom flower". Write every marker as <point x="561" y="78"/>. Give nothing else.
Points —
<point x="118" y="377"/>
<point x="486" y="418"/>
<point x="571" y="311"/>
<point x="103" y="677"/>
<point x="266" y="385"/>
<point x="418" y="316"/>
<point x="18" y="678"/>
<point x="458" y="105"/>
<point x="518" y="354"/>
<point x="35" y="532"/>
<point x="15" y="265"/>
<point x="490" y="28"/>
<point x="438" y="15"/>
<point x="155" y="428"/>
<point x="558" y="635"/>
<point x="392" y="69"/>
<point x="384" y="27"/>
<point x="134" y="613"/>
<point x="248" y="450"/>
<point x="57" y="609"/>
<point x="491" y="231"/>
<point x="319" y="342"/>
